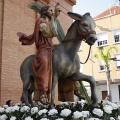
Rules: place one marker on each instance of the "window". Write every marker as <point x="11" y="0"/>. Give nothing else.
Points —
<point x="102" y="39"/>
<point x="116" y="34"/>
<point x="101" y="43"/>
<point x="117" y="62"/>
<point x="101" y="66"/>
<point x="117" y="38"/>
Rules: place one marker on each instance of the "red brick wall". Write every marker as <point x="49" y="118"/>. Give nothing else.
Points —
<point x="1" y="31"/>
<point x="18" y="17"/>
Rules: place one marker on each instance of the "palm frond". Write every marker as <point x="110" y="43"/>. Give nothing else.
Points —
<point x="104" y="55"/>
<point x="95" y="56"/>
<point x="100" y="53"/>
<point x="109" y="50"/>
<point x="36" y="6"/>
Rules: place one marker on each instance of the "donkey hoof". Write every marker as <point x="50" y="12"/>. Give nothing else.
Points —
<point x="92" y="107"/>
<point x="52" y="106"/>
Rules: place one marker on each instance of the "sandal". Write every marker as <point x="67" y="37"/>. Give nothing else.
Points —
<point x="43" y="99"/>
<point x="78" y="94"/>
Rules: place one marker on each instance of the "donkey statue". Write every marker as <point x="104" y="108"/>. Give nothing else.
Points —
<point x="65" y="61"/>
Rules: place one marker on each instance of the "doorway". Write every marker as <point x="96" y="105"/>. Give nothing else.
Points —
<point x="104" y="94"/>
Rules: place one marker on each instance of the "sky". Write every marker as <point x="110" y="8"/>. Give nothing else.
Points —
<point x="94" y="7"/>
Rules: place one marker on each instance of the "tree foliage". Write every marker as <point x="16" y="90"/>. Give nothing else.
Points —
<point x="105" y="54"/>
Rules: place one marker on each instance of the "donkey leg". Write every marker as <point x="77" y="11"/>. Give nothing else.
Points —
<point x="30" y="91"/>
<point x="82" y="77"/>
<point x="54" y="82"/>
<point x="26" y="85"/>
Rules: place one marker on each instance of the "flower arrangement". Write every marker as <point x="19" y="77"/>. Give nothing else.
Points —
<point x="64" y="111"/>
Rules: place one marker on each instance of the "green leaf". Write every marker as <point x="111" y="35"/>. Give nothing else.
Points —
<point x="104" y="54"/>
<point x="36" y="6"/>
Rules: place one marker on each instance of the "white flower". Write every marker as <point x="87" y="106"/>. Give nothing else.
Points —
<point x="64" y="103"/>
<point x="52" y="112"/>
<point x="118" y="104"/>
<point x="8" y="110"/>
<point x="13" y="118"/>
<point x="28" y="118"/>
<point x="98" y="112"/>
<point x="15" y="108"/>
<point x="59" y="119"/>
<point x="34" y="110"/>
<point x="82" y="102"/>
<point x="44" y="119"/>
<point x="65" y="112"/>
<point x="3" y="117"/>
<point x="42" y="111"/>
<point x="111" y="118"/>
<point x="114" y="106"/>
<point x="118" y="118"/>
<point x="25" y="109"/>
<point x="5" y="106"/>
<point x="2" y="109"/>
<point x="93" y="119"/>
<point x="77" y="114"/>
<point x="108" y="102"/>
<point x="85" y="114"/>
<point x="108" y="109"/>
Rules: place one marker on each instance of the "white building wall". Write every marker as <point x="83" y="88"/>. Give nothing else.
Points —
<point x="99" y="90"/>
<point x="114" y="92"/>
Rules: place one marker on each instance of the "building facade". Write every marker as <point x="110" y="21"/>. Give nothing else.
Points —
<point x="108" y="33"/>
<point x="15" y="16"/>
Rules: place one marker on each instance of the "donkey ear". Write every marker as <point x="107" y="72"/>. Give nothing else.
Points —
<point x="75" y="16"/>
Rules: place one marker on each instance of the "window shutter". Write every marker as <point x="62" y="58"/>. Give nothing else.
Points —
<point x="102" y="39"/>
<point x="118" y="62"/>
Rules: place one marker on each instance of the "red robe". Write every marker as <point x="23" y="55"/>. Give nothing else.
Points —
<point x="42" y="60"/>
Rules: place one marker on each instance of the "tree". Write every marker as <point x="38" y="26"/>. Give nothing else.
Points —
<point x="104" y="55"/>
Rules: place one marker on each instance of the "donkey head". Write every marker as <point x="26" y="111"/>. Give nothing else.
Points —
<point x="85" y="27"/>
